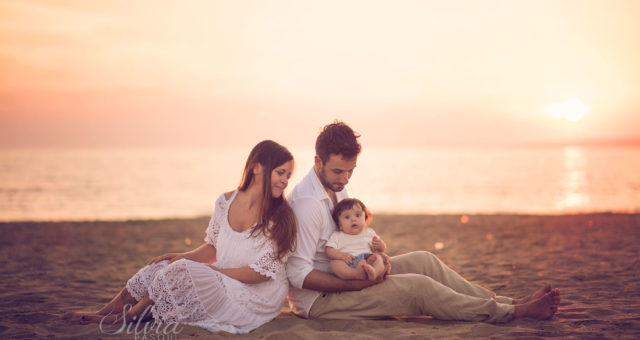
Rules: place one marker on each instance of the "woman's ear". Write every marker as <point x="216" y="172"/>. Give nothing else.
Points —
<point x="257" y="169"/>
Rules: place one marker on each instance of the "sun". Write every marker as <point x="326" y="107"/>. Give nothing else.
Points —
<point x="572" y="109"/>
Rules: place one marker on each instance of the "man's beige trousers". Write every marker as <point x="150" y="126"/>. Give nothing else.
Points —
<point x="419" y="284"/>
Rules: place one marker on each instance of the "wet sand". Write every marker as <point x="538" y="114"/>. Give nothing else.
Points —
<point x="594" y="259"/>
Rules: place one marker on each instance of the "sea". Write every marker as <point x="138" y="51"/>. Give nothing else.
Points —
<point x="76" y="184"/>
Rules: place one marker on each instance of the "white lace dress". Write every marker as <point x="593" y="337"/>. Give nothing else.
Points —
<point x="192" y="293"/>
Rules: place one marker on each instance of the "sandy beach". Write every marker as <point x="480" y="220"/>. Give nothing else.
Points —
<point x="594" y="259"/>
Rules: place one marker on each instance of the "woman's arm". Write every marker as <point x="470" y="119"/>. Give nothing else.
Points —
<point x="206" y="253"/>
<point x="243" y="274"/>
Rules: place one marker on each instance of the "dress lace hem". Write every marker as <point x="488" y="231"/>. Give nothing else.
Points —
<point x="176" y="299"/>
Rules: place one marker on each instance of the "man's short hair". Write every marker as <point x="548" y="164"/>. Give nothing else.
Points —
<point x="337" y="138"/>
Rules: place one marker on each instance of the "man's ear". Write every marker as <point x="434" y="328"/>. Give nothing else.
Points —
<point x="317" y="162"/>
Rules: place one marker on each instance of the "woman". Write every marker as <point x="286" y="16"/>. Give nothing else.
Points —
<point x="236" y="281"/>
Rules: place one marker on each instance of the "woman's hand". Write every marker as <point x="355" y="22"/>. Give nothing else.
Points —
<point x="172" y="257"/>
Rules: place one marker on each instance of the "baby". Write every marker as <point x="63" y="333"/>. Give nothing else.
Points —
<point x="354" y="246"/>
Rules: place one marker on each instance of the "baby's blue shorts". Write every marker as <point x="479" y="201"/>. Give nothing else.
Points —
<point x="359" y="258"/>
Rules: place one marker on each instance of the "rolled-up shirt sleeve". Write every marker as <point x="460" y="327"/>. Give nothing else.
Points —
<point x="309" y="216"/>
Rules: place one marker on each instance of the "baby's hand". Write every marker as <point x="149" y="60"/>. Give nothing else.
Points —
<point x="348" y="258"/>
<point x="377" y="245"/>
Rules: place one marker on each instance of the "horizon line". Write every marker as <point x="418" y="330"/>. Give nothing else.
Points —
<point x="622" y="142"/>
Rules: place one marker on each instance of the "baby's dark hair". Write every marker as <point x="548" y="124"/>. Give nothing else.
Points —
<point x="349" y="203"/>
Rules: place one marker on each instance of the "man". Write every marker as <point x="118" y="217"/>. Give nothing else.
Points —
<point x="418" y="284"/>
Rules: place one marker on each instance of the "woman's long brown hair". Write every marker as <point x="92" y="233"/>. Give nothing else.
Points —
<point x="283" y="230"/>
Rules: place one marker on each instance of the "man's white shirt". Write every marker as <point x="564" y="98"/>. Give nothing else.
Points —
<point x="312" y="207"/>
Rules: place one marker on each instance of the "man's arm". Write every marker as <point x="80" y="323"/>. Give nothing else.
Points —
<point x="308" y="214"/>
<point x="326" y="282"/>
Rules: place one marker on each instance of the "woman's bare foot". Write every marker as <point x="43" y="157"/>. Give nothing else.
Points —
<point x="97" y="318"/>
<point x="371" y="273"/>
<point x="75" y="315"/>
<point x="541" y="309"/>
<point x="536" y="295"/>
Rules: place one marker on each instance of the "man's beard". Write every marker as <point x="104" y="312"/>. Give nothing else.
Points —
<point x="332" y="187"/>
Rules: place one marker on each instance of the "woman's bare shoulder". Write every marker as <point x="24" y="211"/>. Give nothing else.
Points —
<point x="227" y="195"/>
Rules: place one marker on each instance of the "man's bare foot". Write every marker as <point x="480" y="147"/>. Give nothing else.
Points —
<point x="371" y="273"/>
<point x="541" y="309"/>
<point x="536" y="295"/>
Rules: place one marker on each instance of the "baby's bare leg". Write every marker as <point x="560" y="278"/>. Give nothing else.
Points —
<point x="343" y="271"/>
<point x="375" y="261"/>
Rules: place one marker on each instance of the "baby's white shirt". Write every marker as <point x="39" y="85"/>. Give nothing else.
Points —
<point x="352" y="244"/>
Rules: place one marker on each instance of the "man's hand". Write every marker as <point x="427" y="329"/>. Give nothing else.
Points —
<point x="386" y="260"/>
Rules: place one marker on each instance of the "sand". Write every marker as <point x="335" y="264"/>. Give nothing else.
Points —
<point x="49" y="268"/>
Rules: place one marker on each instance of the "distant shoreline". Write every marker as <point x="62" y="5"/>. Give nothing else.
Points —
<point x="385" y="215"/>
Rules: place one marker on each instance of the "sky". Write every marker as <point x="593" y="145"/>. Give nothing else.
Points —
<point x="81" y="73"/>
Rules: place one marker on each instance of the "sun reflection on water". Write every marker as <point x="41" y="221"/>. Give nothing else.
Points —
<point x="575" y="192"/>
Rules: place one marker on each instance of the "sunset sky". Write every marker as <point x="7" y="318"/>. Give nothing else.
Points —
<point x="403" y="73"/>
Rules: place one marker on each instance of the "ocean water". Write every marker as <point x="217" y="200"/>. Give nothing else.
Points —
<point x="116" y="184"/>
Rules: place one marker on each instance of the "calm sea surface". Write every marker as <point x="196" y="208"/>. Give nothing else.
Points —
<point x="89" y="184"/>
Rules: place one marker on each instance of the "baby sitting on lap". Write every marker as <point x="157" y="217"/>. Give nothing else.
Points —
<point x="353" y="246"/>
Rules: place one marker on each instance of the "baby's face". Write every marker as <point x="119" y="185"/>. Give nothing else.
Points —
<point x="352" y="220"/>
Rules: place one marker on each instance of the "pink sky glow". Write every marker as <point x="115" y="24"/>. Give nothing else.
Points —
<point x="411" y="73"/>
